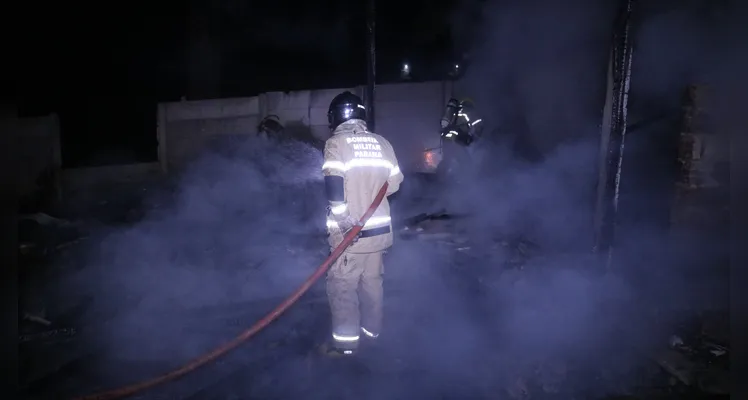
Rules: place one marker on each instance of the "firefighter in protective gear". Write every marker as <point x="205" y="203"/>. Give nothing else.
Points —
<point x="459" y="123"/>
<point x="460" y="128"/>
<point x="357" y="163"/>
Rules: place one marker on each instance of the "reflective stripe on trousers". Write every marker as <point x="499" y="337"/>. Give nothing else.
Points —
<point x="354" y="290"/>
<point x="369" y="334"/>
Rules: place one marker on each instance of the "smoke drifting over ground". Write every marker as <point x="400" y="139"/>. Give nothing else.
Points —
<point x="538" y="74"/>
<point x="237" y="229"/>
<point x="246" y="225"/>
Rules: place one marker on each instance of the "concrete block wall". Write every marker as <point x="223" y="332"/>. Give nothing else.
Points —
<point x="319" y="101"/>
<point x="407" y="114"/>
<point x="79" y="182"/>
<point x="303" y="113"/>
<point x="184" y="128"/>
<point x="40" y="177"/>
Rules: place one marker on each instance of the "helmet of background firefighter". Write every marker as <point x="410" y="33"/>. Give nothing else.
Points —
<point x="270" y="127"/>
<point x="344" y="107"/>
<point x="450" y="112"/>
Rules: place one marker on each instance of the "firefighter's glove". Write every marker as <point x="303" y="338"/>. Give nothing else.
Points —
<point x="346" y="224"/>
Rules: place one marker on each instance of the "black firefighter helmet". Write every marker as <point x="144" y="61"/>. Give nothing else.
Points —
<point x="344" y="107"/>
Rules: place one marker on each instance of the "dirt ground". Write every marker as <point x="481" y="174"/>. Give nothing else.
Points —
<point x="452" y="328"/>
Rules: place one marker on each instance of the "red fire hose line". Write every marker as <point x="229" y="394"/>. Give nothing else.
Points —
<point x="196" y="363"/>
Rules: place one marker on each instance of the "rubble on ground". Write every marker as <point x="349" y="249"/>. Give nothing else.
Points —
<point x="41" y="235"/>
<point x="41" y="238"/>
<point x="450" y="230"/>
<point x="698" y="364"/>
<point x="695" y="359"/>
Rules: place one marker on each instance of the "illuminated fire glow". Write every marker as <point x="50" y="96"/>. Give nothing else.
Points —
<point x="430" y="159"/>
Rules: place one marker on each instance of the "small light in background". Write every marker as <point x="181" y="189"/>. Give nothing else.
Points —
<point x="405" y="71"/>
<point x="455" y="71"/>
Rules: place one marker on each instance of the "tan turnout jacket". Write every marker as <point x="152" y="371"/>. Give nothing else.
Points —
<point x="364" y="161"/>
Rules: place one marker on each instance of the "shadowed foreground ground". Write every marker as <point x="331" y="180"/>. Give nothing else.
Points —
<point x="465" y="318"/>
<point x="435" y="346"/>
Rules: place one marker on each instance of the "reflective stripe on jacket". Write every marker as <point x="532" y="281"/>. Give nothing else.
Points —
<point x="364" y="161"/>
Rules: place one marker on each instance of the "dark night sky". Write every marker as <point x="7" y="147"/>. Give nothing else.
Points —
<point x="104" y="67"/>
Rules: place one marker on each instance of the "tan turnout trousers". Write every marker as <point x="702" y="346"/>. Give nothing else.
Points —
<point x="355" y="292"/>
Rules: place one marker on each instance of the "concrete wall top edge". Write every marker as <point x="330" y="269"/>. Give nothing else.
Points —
<point x="214" y="108"/>
<point x="113" y="169"/>
<point x="47" y="125"/>
<point x="407" y="114"/>
<point x="209" y="102"/>
<point x="300" y="99"/>
<point x="322" y="98"/>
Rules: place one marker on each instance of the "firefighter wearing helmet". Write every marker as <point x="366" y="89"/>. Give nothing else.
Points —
<point x="357" y="163"/>
<point x="460" y="128"/>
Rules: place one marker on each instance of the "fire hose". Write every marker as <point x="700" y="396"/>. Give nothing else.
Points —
<point x="221" y="350"/>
